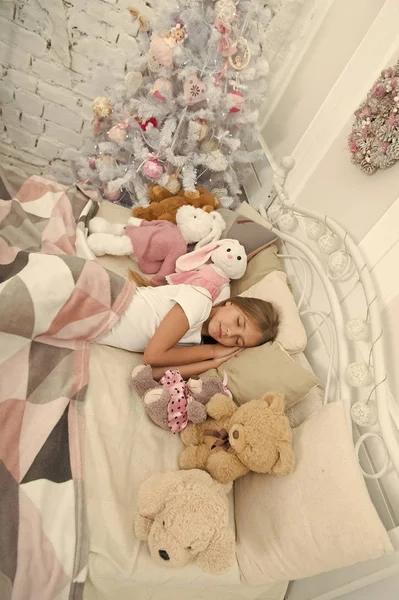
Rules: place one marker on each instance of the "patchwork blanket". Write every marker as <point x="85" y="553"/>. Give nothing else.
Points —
<point x="52" y="302"/>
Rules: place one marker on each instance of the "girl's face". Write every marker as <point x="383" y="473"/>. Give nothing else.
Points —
<point x="229" y="326"/>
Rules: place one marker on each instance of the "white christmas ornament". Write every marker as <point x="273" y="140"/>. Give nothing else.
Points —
<point x="287" y="222"/>
<point x="274" y="212"/>
<point x="357" y="329"/>
<point x="358" y="374"/>
<point x="364" y="414"/>
<point x="133" y="81"/>
<point x="315" y="229"/>
<point x="339" y="264"/>
<point x="328" y="243"/>
<point x="219" y="192"/>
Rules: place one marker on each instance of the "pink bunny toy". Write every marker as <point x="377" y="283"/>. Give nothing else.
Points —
<point x="229" y="261"/>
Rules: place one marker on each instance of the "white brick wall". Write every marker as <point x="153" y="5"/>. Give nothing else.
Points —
<point x="55" y="57"/>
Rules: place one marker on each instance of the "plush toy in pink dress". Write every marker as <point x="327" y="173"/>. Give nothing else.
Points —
<point x="228" y="261"/>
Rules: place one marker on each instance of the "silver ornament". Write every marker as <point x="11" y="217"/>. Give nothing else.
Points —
<point x="357" y="329"/>
<point x="133" y="81"/>
<point x="274" y="212"/>
<point x="219" y="192"/>
<point x="358" y="374"/>
<point x="287" y="222"/>
<point x="339" y="264"/>
<point x="315" y="229"/>
<point x="328" y="243"/>
<point x="364" y="414"/>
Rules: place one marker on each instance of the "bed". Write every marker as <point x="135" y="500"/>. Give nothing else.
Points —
<point x="296" y="528"/>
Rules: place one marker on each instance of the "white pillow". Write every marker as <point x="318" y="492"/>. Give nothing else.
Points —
<point x="273" y="288"/>
<point x="318" y="519"/>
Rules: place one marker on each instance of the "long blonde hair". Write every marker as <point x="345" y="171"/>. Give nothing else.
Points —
<point x="139" y="279"/>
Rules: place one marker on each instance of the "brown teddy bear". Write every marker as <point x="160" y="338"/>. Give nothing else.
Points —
<point x="185" y="517"/>
<point x="235" y="440"/>
<point x="164" y="204"/>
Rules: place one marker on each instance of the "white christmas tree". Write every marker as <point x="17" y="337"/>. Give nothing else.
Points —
<point x="184" y="116"/>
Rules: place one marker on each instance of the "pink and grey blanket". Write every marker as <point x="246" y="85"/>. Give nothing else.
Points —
<point x="52" y="303"/>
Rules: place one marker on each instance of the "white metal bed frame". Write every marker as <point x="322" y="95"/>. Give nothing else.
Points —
<point x="386" y="431"/>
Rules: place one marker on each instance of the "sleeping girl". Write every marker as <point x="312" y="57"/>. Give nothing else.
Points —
<point x="169" y="323"/>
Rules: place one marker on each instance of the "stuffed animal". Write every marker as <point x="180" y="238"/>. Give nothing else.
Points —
<point x="156" y="244"/>
<point x="184" y="516"/>
<point x="165" y="204"/>
<point x="172" y="403"/>
<point x="229" y="261"/>
<point x="235" y="440"/>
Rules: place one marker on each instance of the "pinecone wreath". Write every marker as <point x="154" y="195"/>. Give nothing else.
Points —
<point x="374" y="140"/>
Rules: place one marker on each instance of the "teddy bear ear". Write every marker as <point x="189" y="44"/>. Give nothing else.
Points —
<point x="219" y="555"/>
<point x="286" y="461"/>
<point x="154" y="492"/>
<point x="275" y="401"/>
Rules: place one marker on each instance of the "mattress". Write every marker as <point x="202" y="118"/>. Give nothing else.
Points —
<point x="123" y="448"/>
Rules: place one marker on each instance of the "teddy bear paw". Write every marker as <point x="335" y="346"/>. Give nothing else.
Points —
<point x="153" y="396"/>
<point x="137" y="370"/>
<point x="196" y="412"/>
<point x="195" y="385"/>
<point x="156" y="406"/>
<point x="188" y="458"/>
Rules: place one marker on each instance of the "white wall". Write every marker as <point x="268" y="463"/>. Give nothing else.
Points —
<point x="311" y="121"/>
<point x="55" y="57"/>
<point x="321" y="65"/>
<point x="314" y="116"/>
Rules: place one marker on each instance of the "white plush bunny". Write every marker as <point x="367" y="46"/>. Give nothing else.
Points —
<point x="195" y="225"/>
<point x="156" y="244"/>
<point x="228" y="261"/>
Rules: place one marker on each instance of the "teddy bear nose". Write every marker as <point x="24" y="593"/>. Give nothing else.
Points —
<point x="236" y="435"/>
<point x="164" y="555"/>
<point x="229" y="256"/>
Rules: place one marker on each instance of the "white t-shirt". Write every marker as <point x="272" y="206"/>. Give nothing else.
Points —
<point x="149" y="307"/>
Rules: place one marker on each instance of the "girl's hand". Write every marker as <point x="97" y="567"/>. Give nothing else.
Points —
<point x="219" y="361"/>
<point x="220" y="351"/>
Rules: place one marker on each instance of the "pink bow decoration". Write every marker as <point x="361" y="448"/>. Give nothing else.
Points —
<point x="226" y="46"/>
<point x="223" y="27"/>
<point x="180" y="398"/>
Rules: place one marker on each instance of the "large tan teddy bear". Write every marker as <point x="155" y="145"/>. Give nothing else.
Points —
<point x="185" y="517"/>
<point x="235" y="440"/>
<point x="164" y="204"/>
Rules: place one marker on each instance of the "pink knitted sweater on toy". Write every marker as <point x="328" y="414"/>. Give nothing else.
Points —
<point x="157" y="246"/>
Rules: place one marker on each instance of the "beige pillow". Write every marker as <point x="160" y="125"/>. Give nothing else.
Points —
<point x="318" y="519"/>
<point x="256" y="371"/>
<point x="260" y="265"/>
<point x="273" y="288"/>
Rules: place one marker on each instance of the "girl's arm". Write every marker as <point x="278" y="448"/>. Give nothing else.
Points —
<point x="161" y="350"/>
<point x="187" y="371"/>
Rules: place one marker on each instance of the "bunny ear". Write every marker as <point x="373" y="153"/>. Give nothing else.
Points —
<point x="197" y="258"/>
<point x="218" y="225"/>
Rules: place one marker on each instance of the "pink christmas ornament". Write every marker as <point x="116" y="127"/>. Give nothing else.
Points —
<point x="161" y="54"/>
<point x="118" y="133"/>
<point x="153" y="169"/>
<point x="112" y="196"/>
<point x="237" y="100"/>
<point x="194" y="90"/>
<point x="162" y="89"/>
